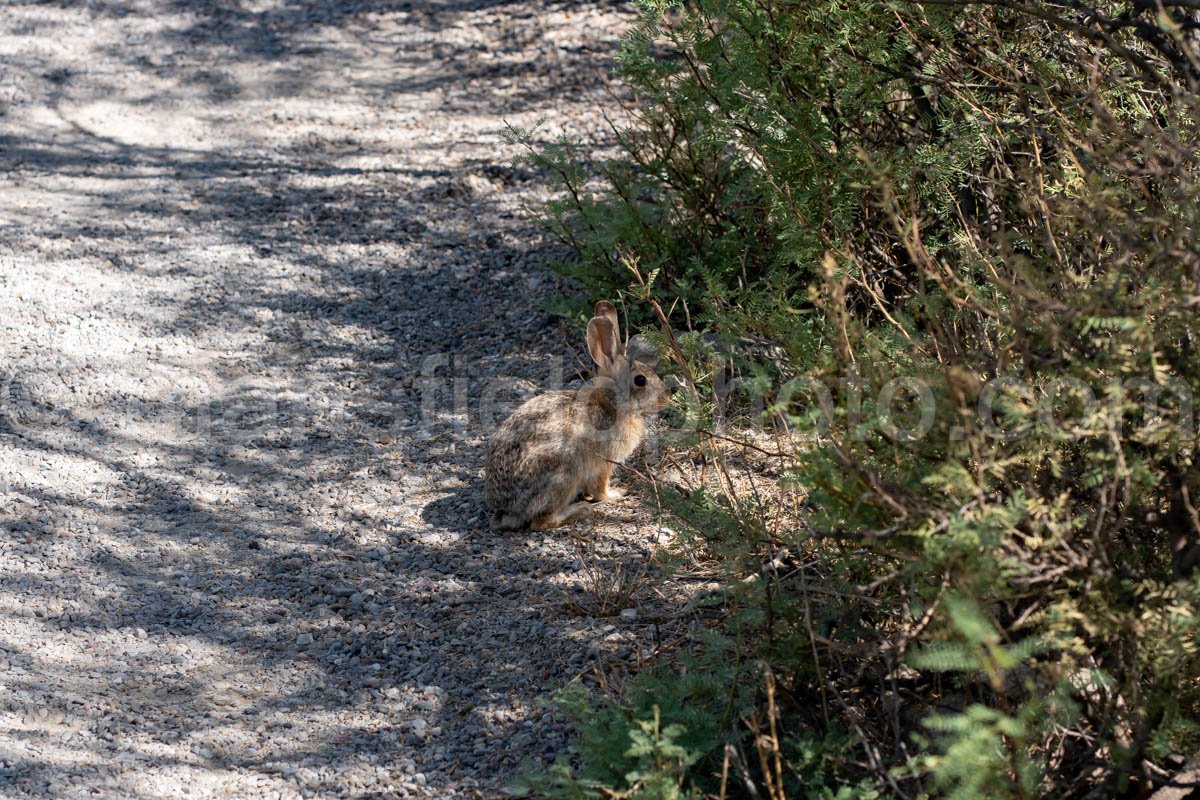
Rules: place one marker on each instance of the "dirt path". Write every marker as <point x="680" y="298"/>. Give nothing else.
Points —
<point x="259" y="259"/>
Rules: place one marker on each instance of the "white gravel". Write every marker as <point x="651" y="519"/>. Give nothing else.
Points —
<point x="242" y="548"/>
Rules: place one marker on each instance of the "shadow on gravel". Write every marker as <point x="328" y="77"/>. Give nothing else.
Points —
<point x="376" y="619"/>
<point x="318" y="519"/>
<point x="289" y="45"/>
<point x="446" y="513"/>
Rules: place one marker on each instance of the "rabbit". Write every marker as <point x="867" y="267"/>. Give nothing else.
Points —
<point x="559" y="445"/>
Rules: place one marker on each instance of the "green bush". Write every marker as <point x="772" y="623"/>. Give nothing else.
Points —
<point x="975" y="222"/>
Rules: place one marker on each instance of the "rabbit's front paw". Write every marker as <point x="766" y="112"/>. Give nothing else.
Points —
<point x="609" y="495"/>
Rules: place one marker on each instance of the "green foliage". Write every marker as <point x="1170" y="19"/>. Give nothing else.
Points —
<point x="644" y="745"/>
<point x="984" y="751"/>
<point x="657" y="767"/>
<point x="661" y="763"/>
<point x="969" y="232"/>
<point x="976" y="760"/>
<point x="633" y="748"/>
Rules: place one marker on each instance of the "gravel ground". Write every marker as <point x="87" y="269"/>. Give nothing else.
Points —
<point x="261" y="261"/>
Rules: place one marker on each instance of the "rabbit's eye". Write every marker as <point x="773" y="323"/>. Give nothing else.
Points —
<point x="639" y="380"/>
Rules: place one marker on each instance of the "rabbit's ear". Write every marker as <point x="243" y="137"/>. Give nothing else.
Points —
<point x="602" y="342"/>
<point x="606" y="310"/>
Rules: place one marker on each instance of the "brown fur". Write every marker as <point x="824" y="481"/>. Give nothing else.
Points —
<point x="560" y="445"/>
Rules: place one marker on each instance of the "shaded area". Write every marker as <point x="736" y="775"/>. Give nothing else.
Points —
<point x="261" y="268"/>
